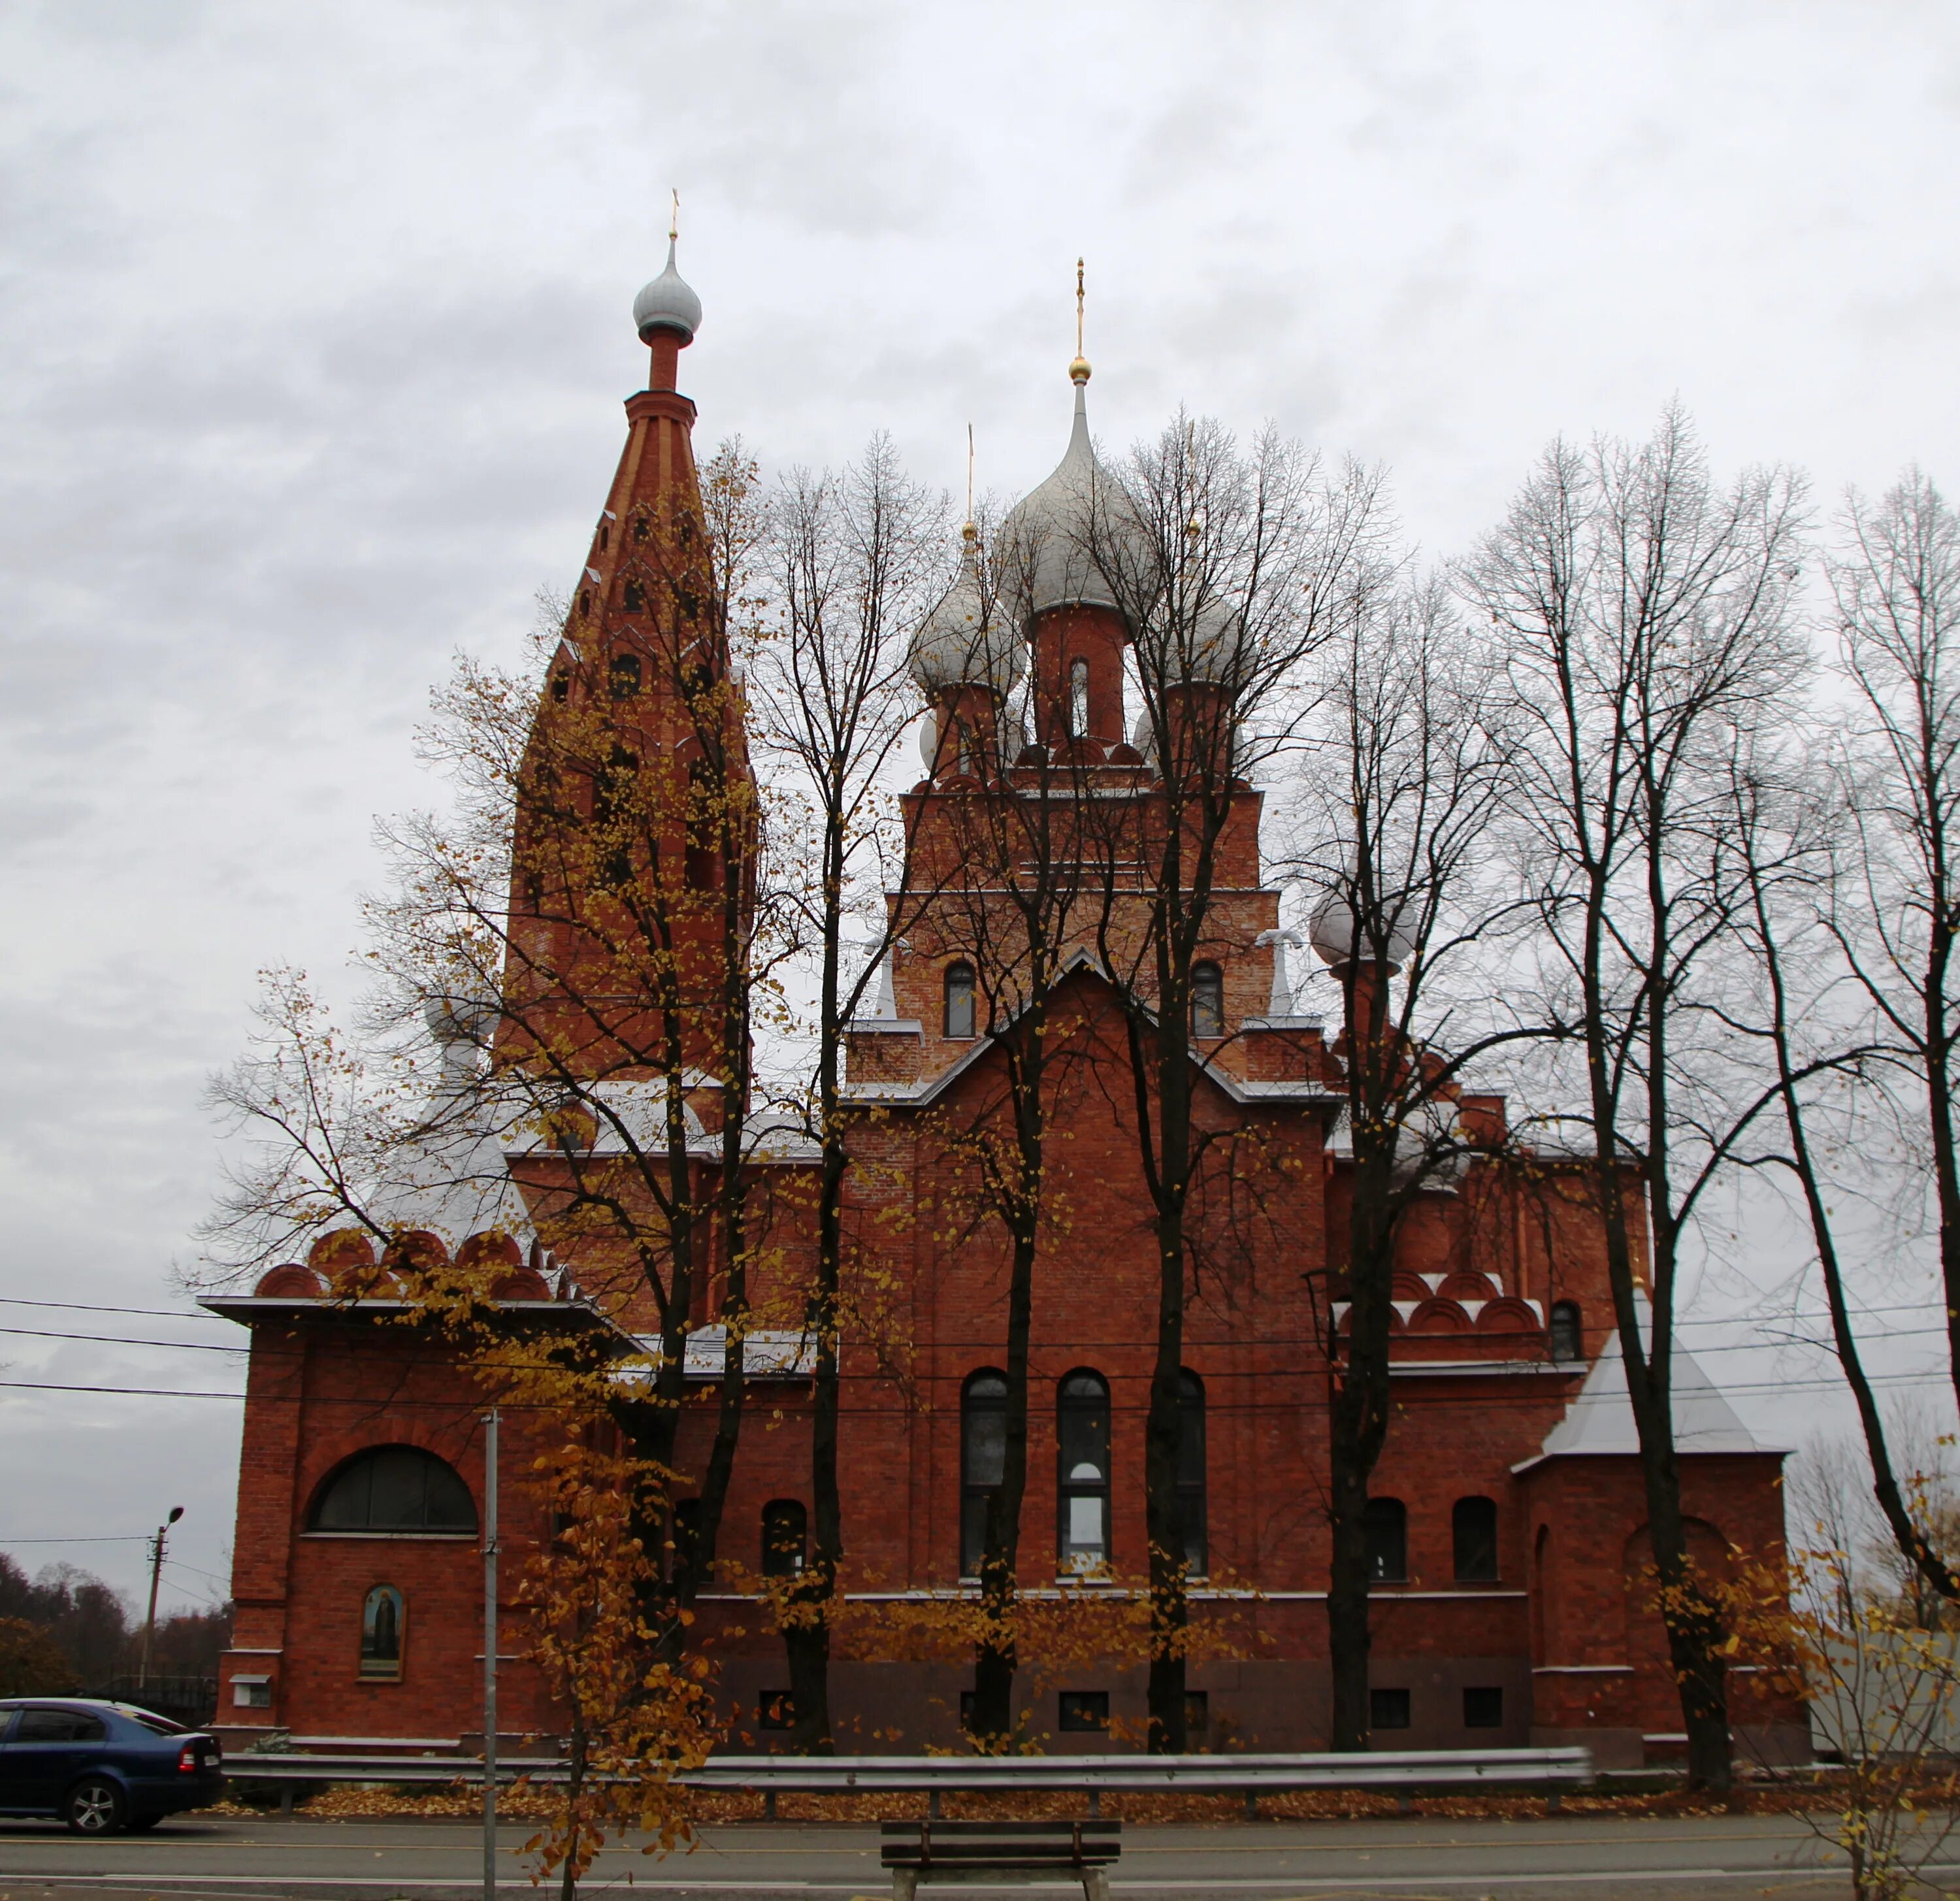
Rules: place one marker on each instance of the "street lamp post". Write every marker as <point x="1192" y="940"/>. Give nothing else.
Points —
<point x="156" y="1570"/>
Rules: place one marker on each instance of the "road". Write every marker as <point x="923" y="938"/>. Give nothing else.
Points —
<point x="1595" y="1858"/>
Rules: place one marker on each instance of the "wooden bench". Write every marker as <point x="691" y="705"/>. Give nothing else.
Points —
<point x="998" y="1851"/>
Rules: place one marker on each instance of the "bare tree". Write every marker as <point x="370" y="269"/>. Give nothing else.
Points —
<point x="852" y="557"/>
<point x="1647" y="613"/>
<point x="1228" y="565"/>
<point x="1405" y="780"/>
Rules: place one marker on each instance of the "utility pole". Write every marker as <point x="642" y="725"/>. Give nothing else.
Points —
<point x="156" y="1571"/>
<point x="490" y="1655"/>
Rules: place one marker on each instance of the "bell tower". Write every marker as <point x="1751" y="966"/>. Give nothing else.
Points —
<point x="635" y="801"/>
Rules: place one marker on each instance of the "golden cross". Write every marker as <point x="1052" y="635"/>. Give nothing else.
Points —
<point x="674" y="222"/>
<point x="1078" y="307"/>
<point x="969" y="471"/>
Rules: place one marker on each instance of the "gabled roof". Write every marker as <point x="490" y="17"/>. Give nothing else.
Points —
<point x="1079" y="962"/>
<point x="1598" y="1423"/>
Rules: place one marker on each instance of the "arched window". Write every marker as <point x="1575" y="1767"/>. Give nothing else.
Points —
<point x="1385" y="1523"/>
<point x="785" y="1525"/>
<point x="625" y="675"/>
<point x="1207" y="1001"/>
<point x="1082" y="1447"/>
<point x="384" y="1621"/>
<point x="1191" y="1501"/>
<point x="635" y="600"/>
<point x="1078" y="699"/>
<point x="1568" y="1341"/>
<point x="1473" y="1539"/>
<point x="960" y="999"/>
<point x="983" y="1460"/>
<point x="605" y="536"/>
<point x="397" y="1489"/>
<point x="560" y="687"/>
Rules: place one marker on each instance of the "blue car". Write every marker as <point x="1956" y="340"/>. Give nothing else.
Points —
<point x="102" y="1767"/>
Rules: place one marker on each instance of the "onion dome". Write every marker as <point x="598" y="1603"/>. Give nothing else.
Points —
<point x="964" y="643"/>
<point x="668" y="304"/>
<point x="1055" y="532"/>
<point x="1339" y="939"/>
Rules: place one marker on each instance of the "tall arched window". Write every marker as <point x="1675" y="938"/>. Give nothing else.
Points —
<point x="1473" y="1539"/>
<point x="395" y="1488"/>
<point x="625" y="675"/>
<point x="1386" y="1524"/>
<point x="1207" y="1001"/>
<point x="960" y="1012"/>
<point x="383" y="1624"/>
<point x="1082" y="1447"/>
<point x="1191" y="1500"/>
<point x="635" y="600"/>
<point x="983" y="1460"/>
<point x="1568" y="1341"/>
<point x="1078" y="699"/>
<point x="785" y="1526"/>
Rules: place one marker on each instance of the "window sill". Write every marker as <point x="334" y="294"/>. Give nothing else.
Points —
<point x="429" y="1537"/>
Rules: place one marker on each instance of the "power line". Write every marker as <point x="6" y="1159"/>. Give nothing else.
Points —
<point x="88" y="1307"/>
<point x="396" y="1403"/>
<point x="128" y="1538"/>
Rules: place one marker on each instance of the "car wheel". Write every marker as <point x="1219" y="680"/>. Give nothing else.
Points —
<point x="94" y="1806"/>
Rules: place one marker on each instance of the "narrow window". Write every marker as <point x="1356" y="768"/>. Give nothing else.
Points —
<point x="625" y="675"/>
<point x="1082" y="1446"/>
<point x="1084" y="1710"/>
<point x="1078" y="699"/>
<point x="1386" y="1525"/>
<point x="1207" y="1001"/>
<point x="960" y="999"/>
<point x="383" y="1617"/>
<point x="983" y="1460"/>
<point x="605" y="535"/>
<point x="1190" y="1502"/>
<point x="1567" y="1341"/>
<point x="1388" y="1709"/>
<point x="585" y="600"/>
<point x="686" y="1532"/>
<point x="634" y="599"/>
<point x="1473" y="1535"/>
<point x="560" y="687"/>
<point x="639" y="527"/>
<point x="1484" y="1708"/>
<point x="785" y="1527"/>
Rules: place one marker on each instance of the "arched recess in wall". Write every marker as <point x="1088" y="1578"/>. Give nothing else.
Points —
<point x="384" y="1623"/>
<point x="401" y="1490"/>
<point x="1646" y="1635"/>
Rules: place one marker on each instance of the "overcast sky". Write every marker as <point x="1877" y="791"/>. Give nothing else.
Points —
<point x="314" y="328"/>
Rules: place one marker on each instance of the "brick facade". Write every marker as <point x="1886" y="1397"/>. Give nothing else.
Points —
<point x="1560" y="1633"/>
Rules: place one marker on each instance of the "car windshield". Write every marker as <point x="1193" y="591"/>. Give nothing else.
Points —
<point x="161" y="1725"/>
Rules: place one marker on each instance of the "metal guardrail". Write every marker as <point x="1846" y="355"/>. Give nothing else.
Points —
<point x="1549" y="1771"/>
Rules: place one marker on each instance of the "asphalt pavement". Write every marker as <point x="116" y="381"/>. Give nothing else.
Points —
<point x="1601" y="1858"/>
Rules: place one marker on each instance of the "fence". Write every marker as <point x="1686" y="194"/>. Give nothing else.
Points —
<point x="1547" y="1771"/>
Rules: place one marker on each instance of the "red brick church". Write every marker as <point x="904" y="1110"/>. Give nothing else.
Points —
<point x="1508" y="1523"/>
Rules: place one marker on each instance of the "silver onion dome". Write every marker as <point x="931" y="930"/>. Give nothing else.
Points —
<point x="964" y="641"/>
<point x="1339" y="939"/>
<point x="1053" y="534"/>
<point x="667" y="304"/>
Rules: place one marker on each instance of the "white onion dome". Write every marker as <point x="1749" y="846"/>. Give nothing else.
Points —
<point x="1338" y="939"/>
<point x="1052" y="533"/>
<point x="963" y="642"/>
<point x="667" y="304"/>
